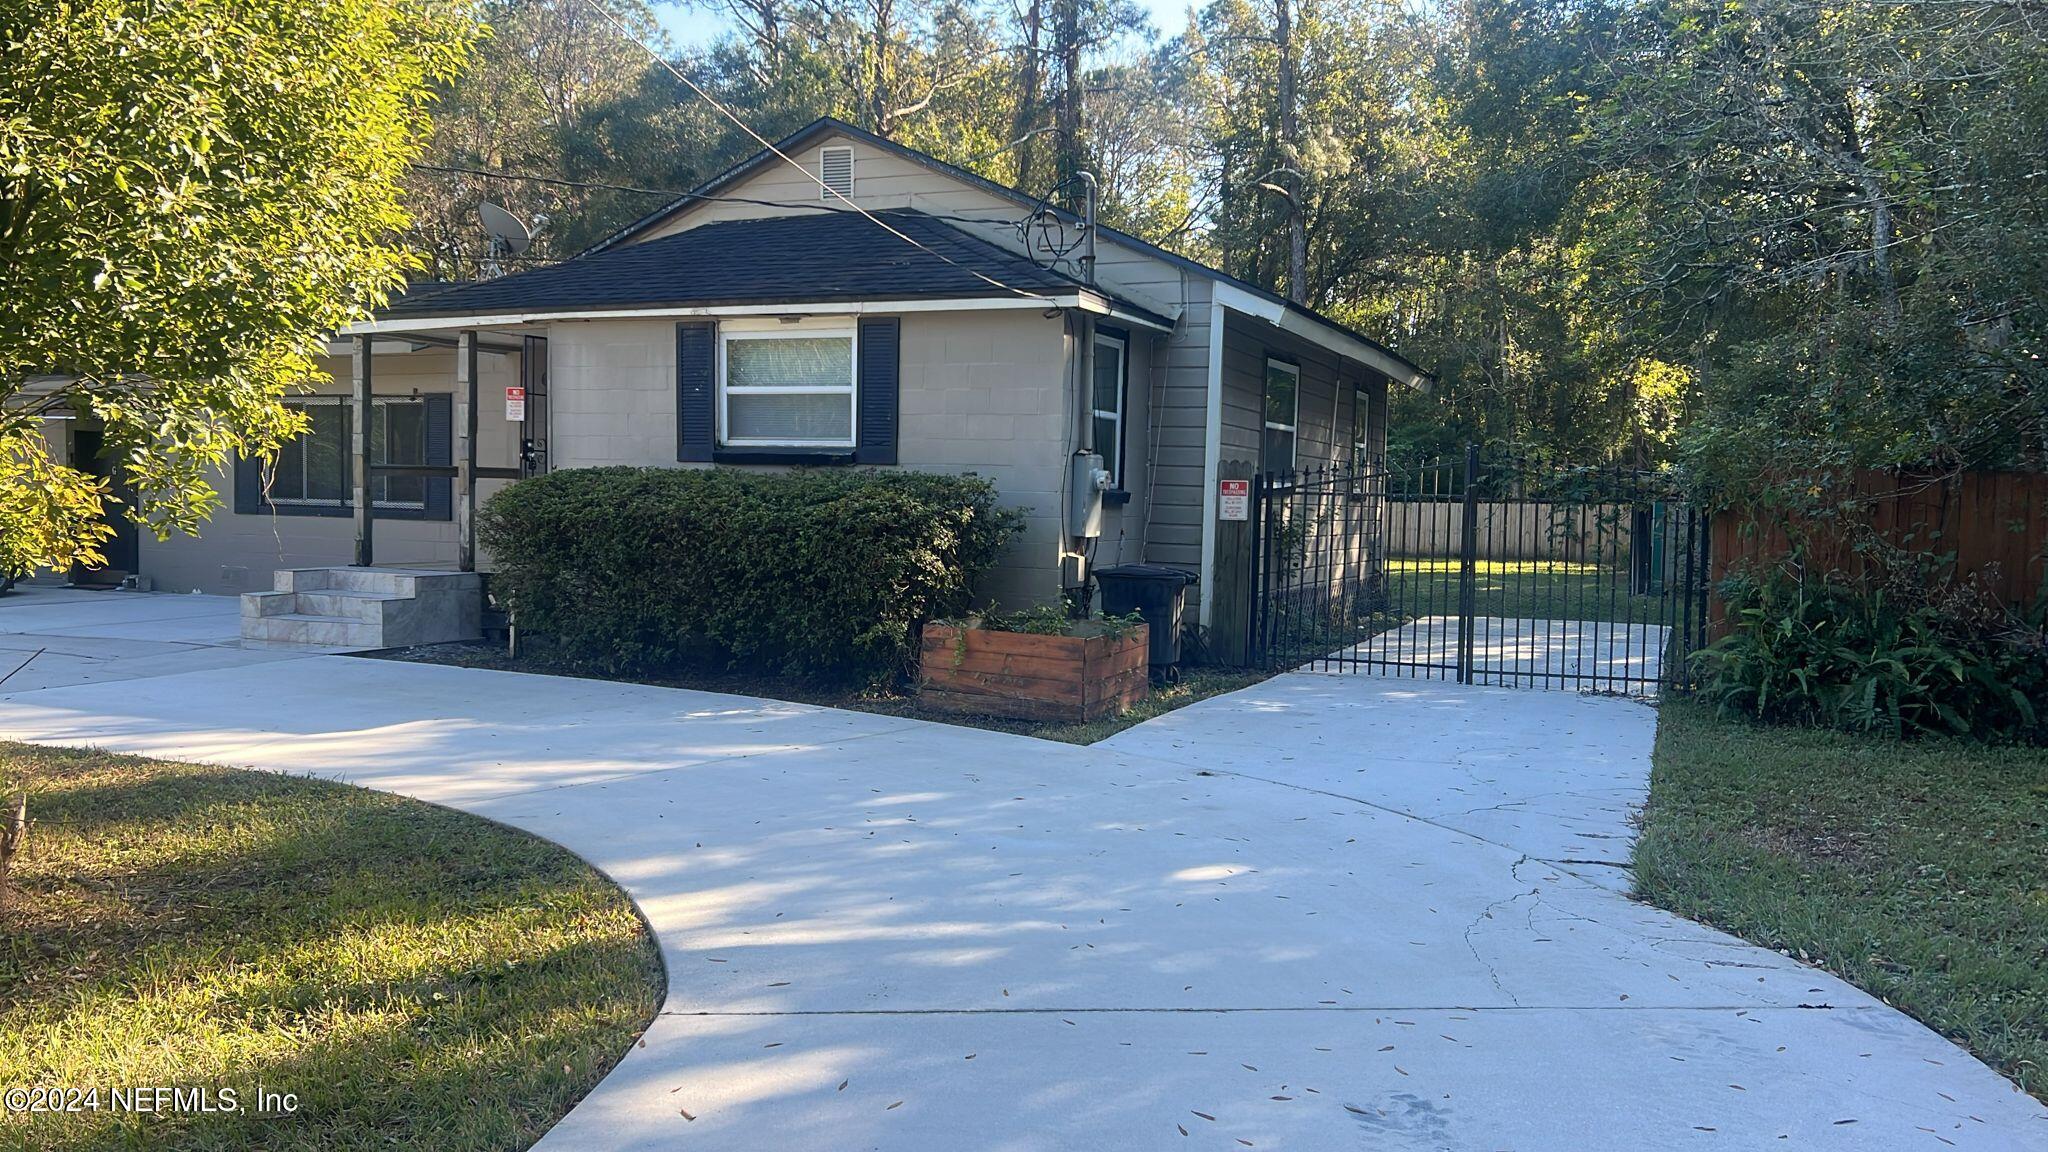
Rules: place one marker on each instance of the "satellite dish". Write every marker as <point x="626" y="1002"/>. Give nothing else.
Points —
<point x="508" y="235"/>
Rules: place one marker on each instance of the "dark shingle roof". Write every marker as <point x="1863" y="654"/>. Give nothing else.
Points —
<point x="816" y="257"/>
<point x="828" y="126"/>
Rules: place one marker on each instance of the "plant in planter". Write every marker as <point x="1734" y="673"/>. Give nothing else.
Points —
<point x="1035" y="665"/>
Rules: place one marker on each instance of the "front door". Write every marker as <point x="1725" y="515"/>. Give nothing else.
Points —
<point x="88" y="455"/>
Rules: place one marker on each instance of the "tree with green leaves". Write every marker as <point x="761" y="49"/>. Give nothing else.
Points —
<point x="194" y="194"/>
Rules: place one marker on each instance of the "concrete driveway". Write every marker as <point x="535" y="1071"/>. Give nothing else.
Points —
<point x="1326" y="912"/>
<point x="51" y="637"/>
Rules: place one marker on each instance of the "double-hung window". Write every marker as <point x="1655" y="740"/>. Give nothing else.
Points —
<point x="1361" y="428"/>
<point x="1283" y="415"/>
<point x="1108" y="405"/>
<point x="315" y="470"/>
<point x="790" y="386"/>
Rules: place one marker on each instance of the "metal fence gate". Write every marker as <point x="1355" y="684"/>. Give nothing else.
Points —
<point x="1506" y="572"/>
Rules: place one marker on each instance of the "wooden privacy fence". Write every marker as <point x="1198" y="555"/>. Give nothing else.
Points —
<point x="1511" y="530"/>
<point x="1995" y="524"/>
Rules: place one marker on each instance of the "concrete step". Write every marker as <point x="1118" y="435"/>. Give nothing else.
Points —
<point x="369" y="607"/>
<point x="366" y="607"/>
<point x="305" y="628"/>
<point x="268" y="603"/>
<point x="382" y="581"/>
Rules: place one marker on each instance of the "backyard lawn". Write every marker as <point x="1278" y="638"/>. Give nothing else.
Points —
<point x="1917" y="871"/>
<point x="417" y="977"/>
<point x="1526" y="590"/>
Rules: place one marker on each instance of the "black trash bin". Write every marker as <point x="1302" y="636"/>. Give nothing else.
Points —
<point x="1160" y="594"/>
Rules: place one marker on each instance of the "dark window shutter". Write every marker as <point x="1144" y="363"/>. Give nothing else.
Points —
<point x="696" y="389"/>
<point x="439" y="444"/>
<point x="879" y="382"/>
<point x="248" y="485"/>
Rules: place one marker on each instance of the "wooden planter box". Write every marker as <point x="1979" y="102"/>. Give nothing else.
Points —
<point x="1027" y="676"/>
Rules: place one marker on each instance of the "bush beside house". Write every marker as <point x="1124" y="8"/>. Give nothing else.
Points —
<point x="1907" y="657"/>
<point x="825" y="575"/>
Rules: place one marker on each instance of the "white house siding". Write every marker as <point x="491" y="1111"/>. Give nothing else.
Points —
<point x="238" y="553"/>
<point x="981" y="392"/>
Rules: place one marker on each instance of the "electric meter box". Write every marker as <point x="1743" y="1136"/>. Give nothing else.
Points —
<point x="1085" y="486"/>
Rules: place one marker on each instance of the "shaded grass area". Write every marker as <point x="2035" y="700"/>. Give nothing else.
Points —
<point x="418" y="977"/>
<point x="1917" y="871"/>
<point x="1197" y="684"/>
<point x="1528" y="590"/>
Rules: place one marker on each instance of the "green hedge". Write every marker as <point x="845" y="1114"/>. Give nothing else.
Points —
<point x="814" y="574"/>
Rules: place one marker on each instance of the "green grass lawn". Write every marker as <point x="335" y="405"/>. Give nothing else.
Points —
<point x="418" y="977"/>
<point x="1526" y="590"/>
<point x="1917" y="871"/>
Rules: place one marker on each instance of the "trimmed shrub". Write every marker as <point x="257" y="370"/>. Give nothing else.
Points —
<point x="823" y="575"/>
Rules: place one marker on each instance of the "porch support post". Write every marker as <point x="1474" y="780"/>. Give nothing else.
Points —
<point x="465" y="450"/>
<point x="364" y="411"/>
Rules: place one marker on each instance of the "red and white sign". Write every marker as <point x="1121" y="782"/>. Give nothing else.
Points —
<point x="1233" y="499"/>
<point x="515" y="403"/>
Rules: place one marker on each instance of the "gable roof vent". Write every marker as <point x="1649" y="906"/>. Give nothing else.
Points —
<point x="835" y="169"/>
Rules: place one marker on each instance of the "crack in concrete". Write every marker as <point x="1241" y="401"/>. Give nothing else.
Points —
<point x="1486" y="913"/>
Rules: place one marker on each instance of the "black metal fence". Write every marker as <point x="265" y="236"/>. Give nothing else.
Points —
<point x="1511" y="572"/>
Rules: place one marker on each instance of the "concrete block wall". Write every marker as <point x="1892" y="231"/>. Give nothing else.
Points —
<point x="985" y="392"/>
<point x="980" y="392"/>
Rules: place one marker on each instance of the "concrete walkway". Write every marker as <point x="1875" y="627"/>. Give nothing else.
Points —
<point x="50" y="637"/>
<point x="1593" y="656"/>
<point x="1326" y="912"/>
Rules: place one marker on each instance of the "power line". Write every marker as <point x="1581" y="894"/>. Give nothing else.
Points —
<point x="555" y="180"/>
<point x="764" y="142"/>
<point x="673" y="194"/>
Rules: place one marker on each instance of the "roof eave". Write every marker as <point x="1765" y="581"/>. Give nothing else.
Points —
<point x="1083" y="300"/>
<point x="1301" y="322"/>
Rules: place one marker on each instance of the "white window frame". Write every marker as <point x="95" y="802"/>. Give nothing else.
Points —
<point x="1361" y="425"/>
<point x="1293" y="429"/>
<point x="348" y="447"/>
<point x="776" y="330"/>
<point x="825" y="191"/>
<point x="1123" y="380"/>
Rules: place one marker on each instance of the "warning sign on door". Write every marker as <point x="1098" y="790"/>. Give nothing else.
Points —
<point x="515" y="403"/>
<point x="1233" y="499"/>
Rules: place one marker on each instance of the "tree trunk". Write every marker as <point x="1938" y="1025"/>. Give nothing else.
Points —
<point x="878" y="76"/>
<point x="1030" y="92"/>
<point x="1290" y="152"/>
<point x="13" y="833"/>
<point x="1881" y="243"/>
<point x="1068" y="35"/>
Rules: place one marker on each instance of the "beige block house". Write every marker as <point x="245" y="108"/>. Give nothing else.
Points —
<point x="867" y="305"/>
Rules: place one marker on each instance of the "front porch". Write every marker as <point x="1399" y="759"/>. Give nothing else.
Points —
<point x="402" y="450"/>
